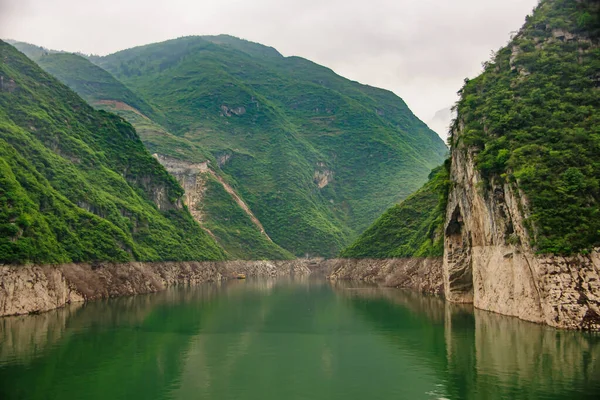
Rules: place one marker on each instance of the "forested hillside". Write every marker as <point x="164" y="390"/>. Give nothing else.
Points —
<point x="533" y="117"/>
<point x="233" y="230"/>
<point x="316" y="157"/>
<point x="414" y="228"/>
<point x="78" y="185"/>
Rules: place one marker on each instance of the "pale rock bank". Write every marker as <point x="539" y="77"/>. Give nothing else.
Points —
<point x="488" y="260"/>
<point x="423" y="275"/>
<point x="39" y="288"/>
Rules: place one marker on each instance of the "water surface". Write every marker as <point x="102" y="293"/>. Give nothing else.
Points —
<point x="290" y="339"/>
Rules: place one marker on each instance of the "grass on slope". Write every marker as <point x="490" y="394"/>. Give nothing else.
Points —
<point x="283" y="122"/>
<point x="412" y="229"/>
<point x="93" y="83"/>
<point x="105" y="92"/>
<point x="78" y="185"/>
<point x="534" y="116"/>
<point x="234" y="229"/>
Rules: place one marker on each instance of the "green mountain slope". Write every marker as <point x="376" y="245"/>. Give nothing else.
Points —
<point x="533" y="117"/>
<point x="94" y="84"/>
<point x="316" y="157"/>
<point x="78" y="185"/>
<point x="413" y="228"/>
<point x="103" y="91"/>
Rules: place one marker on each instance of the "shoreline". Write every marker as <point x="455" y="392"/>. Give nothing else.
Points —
<point x="31" y="289"/>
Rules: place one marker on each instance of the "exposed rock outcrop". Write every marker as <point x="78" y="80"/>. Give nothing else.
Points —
<point x="488" y="260"/>
<point x="419" y="274"/>
<point x="322" y="176"/>
<point x="34" y="289"/>
<point x="192" y="177"/>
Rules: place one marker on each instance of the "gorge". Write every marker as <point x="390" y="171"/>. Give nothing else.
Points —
<point x="273" y="158"/>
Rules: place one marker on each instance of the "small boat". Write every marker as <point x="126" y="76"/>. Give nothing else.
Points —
<point x="241" y="276"/>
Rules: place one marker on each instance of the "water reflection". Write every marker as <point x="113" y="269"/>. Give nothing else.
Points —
<point x="489" y="356"/>
<point x="24" y="337"/>
<point x="293" y="339"/>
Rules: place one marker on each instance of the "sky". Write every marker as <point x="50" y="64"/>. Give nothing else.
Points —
<point x="422" y="50"/>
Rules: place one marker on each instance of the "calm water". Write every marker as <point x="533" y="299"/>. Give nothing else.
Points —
<point x="290" y="340"/>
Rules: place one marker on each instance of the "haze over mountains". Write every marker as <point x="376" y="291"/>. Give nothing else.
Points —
<point x="283" y="153"/>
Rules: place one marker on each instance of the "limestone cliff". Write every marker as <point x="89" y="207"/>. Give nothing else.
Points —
<point x="521" y="226"/>
<point x="488" y="260"/>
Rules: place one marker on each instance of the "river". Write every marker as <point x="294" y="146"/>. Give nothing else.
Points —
<point x="302" y="338"/>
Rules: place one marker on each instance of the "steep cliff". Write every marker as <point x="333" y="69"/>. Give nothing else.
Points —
<point x="522" y="227"/>
<point x="521" y="230"/>
<point x="489" y="262"/>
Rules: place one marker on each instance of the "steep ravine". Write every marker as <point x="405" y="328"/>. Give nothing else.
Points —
<point x="221" y="212"/>
<point x="189" y="176"/>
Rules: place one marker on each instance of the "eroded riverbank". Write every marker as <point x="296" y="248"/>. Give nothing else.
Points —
<point x="41" y="288"/>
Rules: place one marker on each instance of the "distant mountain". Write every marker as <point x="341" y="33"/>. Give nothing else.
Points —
<point x="414" y="228"/>
<point x="314" y="156"/>
<point x="77" y="184"/>
<point x="235" y="232"/>
<point x="317" y="157"/>
<point x="441" y="121"/>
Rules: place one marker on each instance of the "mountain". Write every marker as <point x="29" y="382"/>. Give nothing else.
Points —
<point x="310" y="157"/>
<point x="521" y="230"/>
<point x="537" y="126"/>
<point x="31" y="50"/>
<point x="315" y="156"/>
<point x="414" y="228"/>
<point x="230" y="226"/>
<point x="78" y="185"/>
<point x="522" y="226"/>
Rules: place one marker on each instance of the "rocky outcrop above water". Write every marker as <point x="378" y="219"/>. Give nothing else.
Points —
<point x="488" y="260"/>
<point x="35" y="289"/>
<point x="419" y="274"/>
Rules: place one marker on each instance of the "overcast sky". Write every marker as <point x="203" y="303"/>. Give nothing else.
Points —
<point x="420" y="49"/>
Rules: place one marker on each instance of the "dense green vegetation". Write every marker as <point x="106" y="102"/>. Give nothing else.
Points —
<point x="534" y="118"/>
<point x="95" y="85"/>
<point x="102" y="90"/>
<point x="279" y="125"/>
<point x="78" y="185"/>
<point x="234" y="229"/>
<point x="414" y="228"/>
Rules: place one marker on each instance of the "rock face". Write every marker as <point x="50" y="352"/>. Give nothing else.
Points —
<point x="419" y="274"/>
<point x="189" y="176"/>
<point x="192" y="178"/>
<point x="34" y="289"/>
<point x="488" y="260"/>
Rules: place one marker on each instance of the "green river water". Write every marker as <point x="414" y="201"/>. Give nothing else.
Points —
<point x="290" y="339"/>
